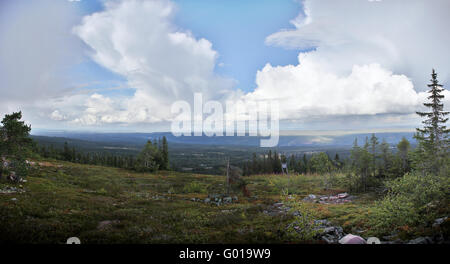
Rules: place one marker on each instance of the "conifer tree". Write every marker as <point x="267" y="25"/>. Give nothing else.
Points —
<point x="15" y="143"/>
<point x="165" y="153"/>
<point x="403" y="148"/>
<point x="433" y="137"/>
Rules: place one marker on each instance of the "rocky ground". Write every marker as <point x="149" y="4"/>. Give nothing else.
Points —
<point x="12" y="190"/>
<point x="334" y="234"/>
<point x="330" y="199"/>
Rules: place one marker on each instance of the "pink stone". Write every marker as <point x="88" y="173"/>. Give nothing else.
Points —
<point x="352" y="239"/>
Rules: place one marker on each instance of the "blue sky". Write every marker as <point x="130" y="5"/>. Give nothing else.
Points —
<point x="237" y="30"/>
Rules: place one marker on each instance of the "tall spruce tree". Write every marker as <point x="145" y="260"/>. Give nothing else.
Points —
<point x="433" y="137"/>
<point x="165" y="153"/>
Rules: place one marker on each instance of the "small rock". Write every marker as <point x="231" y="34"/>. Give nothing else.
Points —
<point x="439" y="221"/>
<point x="328" y="230"/>
<point x="390" y="237"/>
<point x="421" y="240"/>
<point x="342" y="195"/>
<point x="323" y="222"/>
<point x="13" y="199"/>
<point x="329" y="239"/>
<point x="227" y="200"/>
<point x="312" y="197"/>
<point x="106" y="224"/>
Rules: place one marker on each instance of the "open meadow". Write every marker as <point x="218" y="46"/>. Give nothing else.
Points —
<point x="110" y="205"/>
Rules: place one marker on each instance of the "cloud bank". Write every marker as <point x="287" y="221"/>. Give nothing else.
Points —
<point x="364" y="58"/>
<point x="36" y="48"/>
<point x="407" y="38"/>
<point x="137" y="40"/>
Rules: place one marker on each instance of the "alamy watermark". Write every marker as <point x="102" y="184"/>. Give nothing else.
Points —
<point x="239" y="119"/>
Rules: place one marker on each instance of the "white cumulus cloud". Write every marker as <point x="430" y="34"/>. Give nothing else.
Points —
<point x="365" y="58"/>
<point x="406" y="37"/>
<point x="310" y="90"/>
<point x="137" y="39"/>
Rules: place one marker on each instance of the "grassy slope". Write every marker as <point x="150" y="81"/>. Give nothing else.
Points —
<point x="71" y="200"/>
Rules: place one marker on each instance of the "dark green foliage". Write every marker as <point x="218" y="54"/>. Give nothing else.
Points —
<point x="165" y="154"/>
<point x="433" y="139"/>
<point x="15" y="140"/>
<point x="374" y="162"/>
<point x="270" y="163"/>
<point x="159" y="155"/>
<point x="15" y="145"/>
<point x="264" y="164"/>
<point x="361" y="164"/>
<point x="321" y="163"/>
<point x="150" y="158"/>
<point x="403" y="148"/>
<point x="413" y="200"/>
<point x="419" y="197"/>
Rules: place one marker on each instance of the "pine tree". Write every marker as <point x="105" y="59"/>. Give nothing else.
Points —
<point x="292" y="163"/>
<point x="403" y="148"/>
<point x="270" y="167"/>
<point x="15" y="135"/>
<point x="305" y="164"/>
<point x="386" y="158"/>
<point x="433" y="137"/>
<point x="165" y="153"/>
<point x="276" y="163"/>
<point x="254" y="169"/>
<point x="15" y="143"/>
<point x="373" y="149"/>
<point x="66" y="152"/>
<point x="337" y="161"/>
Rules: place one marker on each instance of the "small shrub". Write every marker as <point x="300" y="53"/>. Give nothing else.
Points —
<point x="102" y="191"/>
<point x="413" y="200"/>
<point x="302" y="227"/>
<point x="194" y="187"/>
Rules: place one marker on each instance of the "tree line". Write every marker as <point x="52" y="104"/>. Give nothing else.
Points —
<point x="154" y="156"/>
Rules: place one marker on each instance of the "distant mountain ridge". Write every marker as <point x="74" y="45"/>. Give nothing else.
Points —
<point x="284" y="140"/>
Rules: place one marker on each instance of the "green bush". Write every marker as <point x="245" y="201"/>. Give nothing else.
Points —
<point x="194" y="187"/>
<point x="302" y="228"/>
<point x="413" y="200"/>
<point x="353" y="182"/>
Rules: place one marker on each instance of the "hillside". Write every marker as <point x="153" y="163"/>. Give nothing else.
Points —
<point x="110" y="205"/>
